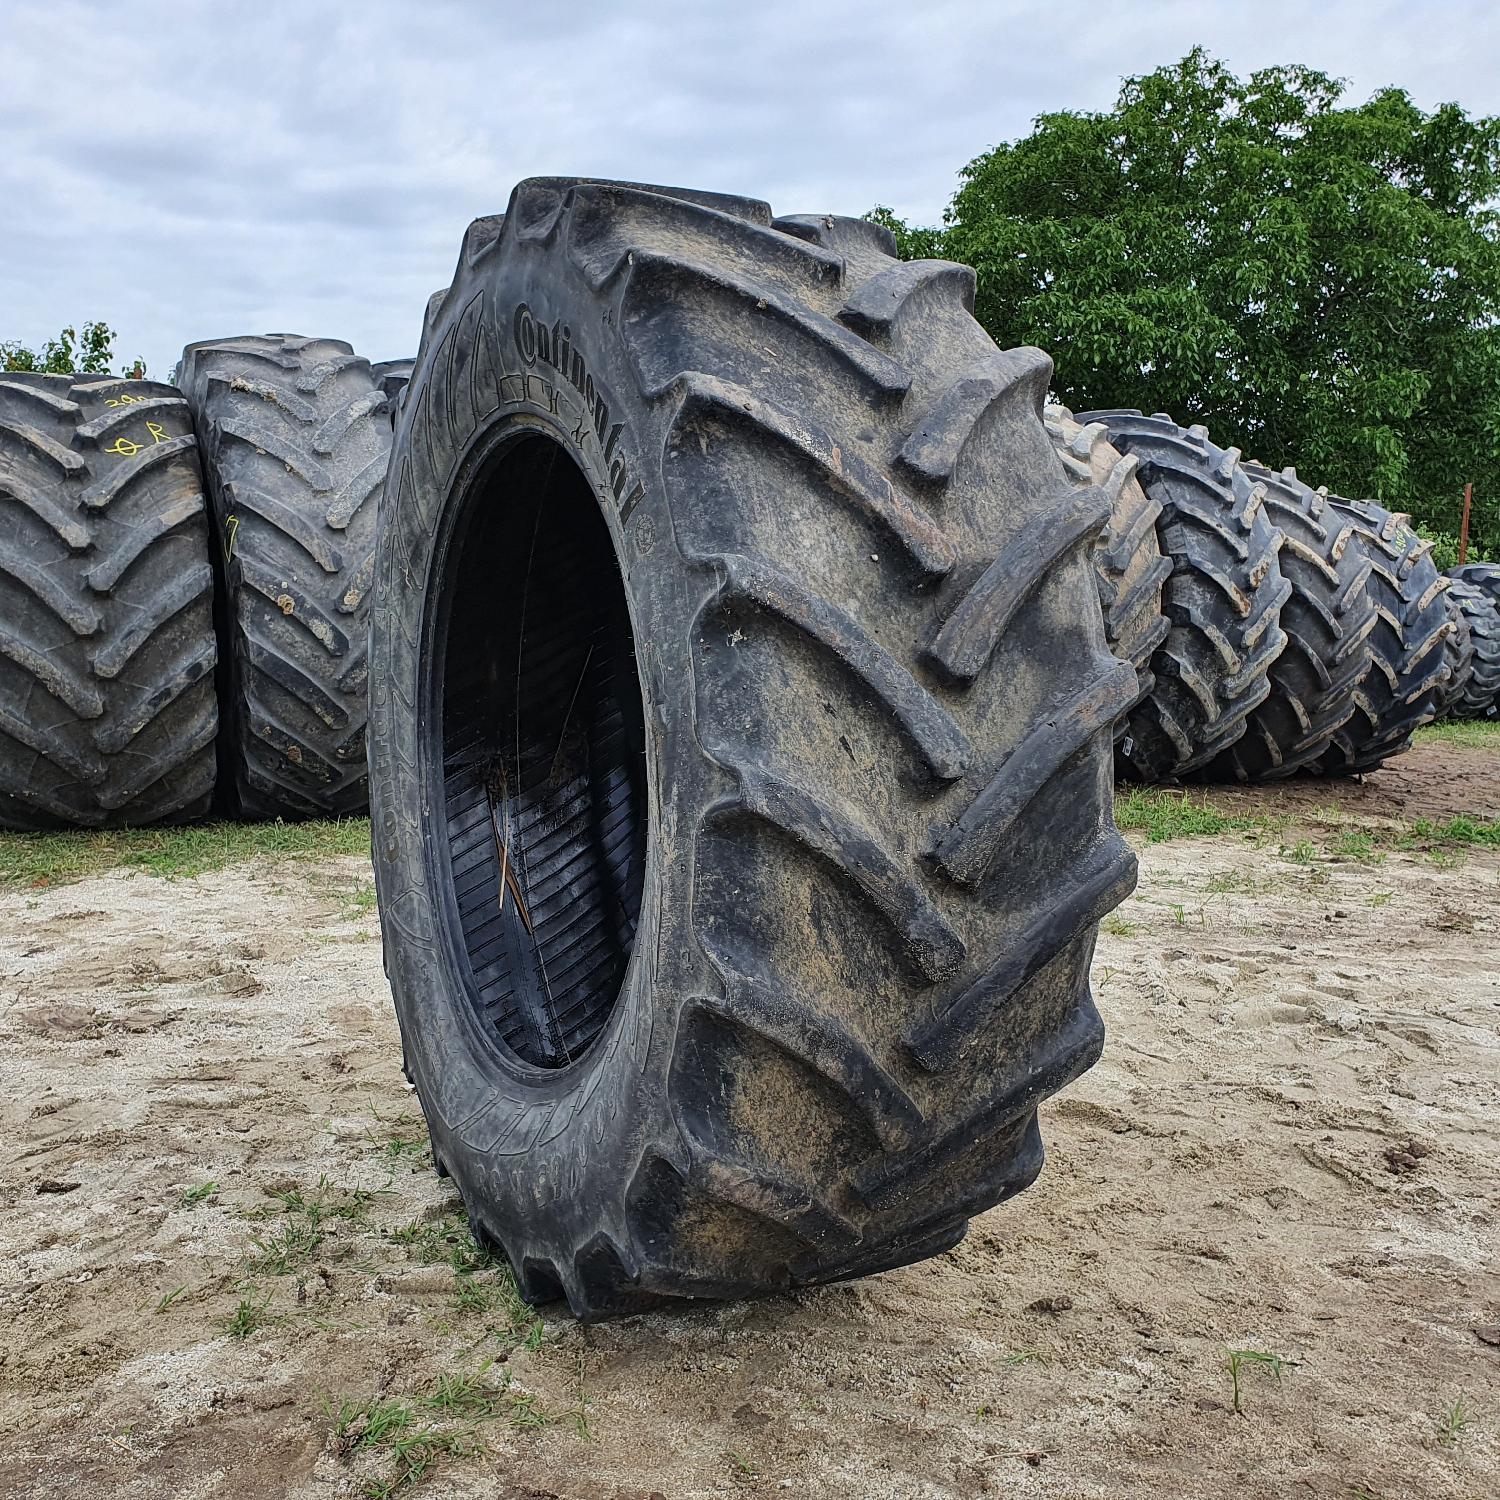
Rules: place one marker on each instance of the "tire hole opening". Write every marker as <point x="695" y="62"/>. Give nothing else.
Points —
<point x="542" y="738"/>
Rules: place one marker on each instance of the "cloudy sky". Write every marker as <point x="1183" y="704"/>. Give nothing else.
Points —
<point x="188" y="170"/>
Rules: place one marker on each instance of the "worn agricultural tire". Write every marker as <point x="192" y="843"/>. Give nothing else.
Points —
<point x="107" y="710"/>
<point x="1484" y="576"/>
<point x="1458" y="660"/>
<point x="739" y="748"/>
<point x="1403" y="688"/>
<point x="1475" y="697"/>
<point x="1223" y="598"/>
<point x="295" y="439"/>
<point x="1327" y="617"/>
<point x="1128" y="561"/>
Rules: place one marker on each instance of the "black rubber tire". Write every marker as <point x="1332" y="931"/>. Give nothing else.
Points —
<point x="392" y="376"/>
<point x="1404" y="686"/>
<point x="1484" y="576"/>
<point x="107" y="709"/>
<point x="1458" y="660"/>
<point x="295" y="435"/>
<point x="1223" y="598"/>
<point x="1128" y="561"/>
<point x="1476" y="696"/>
<point x="831" y="849"/>
<point x="1328" y="618"/>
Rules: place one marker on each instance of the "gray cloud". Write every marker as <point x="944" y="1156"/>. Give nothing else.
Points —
<point x="193" y="169"/>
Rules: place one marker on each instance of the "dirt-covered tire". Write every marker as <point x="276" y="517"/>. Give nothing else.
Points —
<point x="1128" y="561"/>
<point x="740" y="747"/>
<point x="107" y="710"/>
<point x="1223" y="598"/>
<point x="1327" y="617"/>
<point x="295" y="437"/>
<point x="1403" y="688"/>
<point x="1475" y="697"/>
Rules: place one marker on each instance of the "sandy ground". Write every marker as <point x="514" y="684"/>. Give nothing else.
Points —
<point x="1290" y="1147"/>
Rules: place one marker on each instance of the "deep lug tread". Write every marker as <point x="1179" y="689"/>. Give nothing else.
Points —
<point x="296" y="436"/>
<point x="107" y="710"/>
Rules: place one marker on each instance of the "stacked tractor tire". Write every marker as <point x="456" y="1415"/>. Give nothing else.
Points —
<point x="1291" y="630"/>
<point x="746" y="655"/>
<point x="184" y="578"/>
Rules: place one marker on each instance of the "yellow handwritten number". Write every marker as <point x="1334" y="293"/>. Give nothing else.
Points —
<point x="124" y="447"/>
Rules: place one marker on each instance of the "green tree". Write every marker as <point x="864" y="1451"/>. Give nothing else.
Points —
<point x="89" y="352"/>
<point x="1319" y="283"/>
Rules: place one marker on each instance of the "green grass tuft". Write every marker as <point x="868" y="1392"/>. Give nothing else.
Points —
<point x="1462" y="734"/>
<point x="1162" y="813"/>
<point x="43" y="859"/>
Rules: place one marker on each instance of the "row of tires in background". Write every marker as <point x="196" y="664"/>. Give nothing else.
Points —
<point x="172" y="648"/>
<point x="183" y="580"/>
<point x="1274" y="628"/>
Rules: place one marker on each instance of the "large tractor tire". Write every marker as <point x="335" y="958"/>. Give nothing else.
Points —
<point x="1476" y="697"/>
<point x="107" y="710"/>
<point x="739" y="747"/>
<point x="1128" y="561"/>
<point x="295" y="437"/>
<point x="1403" y="688"/>
<point x="1484" y="576"/>
<point x="1223" y="599"/>
<point x="1328" y="618"/>
<point x="1458" y="659"/>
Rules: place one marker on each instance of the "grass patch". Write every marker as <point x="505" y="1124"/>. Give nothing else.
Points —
<point x="191" y="1197"/>
<point x="303" y="1223"/>
<point x="1162" y="813"/>
<point x="414" y="1433"/>
<point x="1462" y="734"/>
<point x="43" y="859"/>
<point x="483" y="1286"/>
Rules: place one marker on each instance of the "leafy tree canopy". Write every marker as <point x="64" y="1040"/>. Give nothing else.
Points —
<point x="1319" y="284"/>
<point x="89" y="352"/>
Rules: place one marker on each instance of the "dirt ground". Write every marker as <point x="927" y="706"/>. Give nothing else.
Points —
<point x="220" y="1240"/>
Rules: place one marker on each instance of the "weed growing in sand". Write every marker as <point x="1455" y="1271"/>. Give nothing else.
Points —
<point x="483" y="1286"/>
<point x="1301" y="853"/>
<point x="1241" y="1361"/>
<point x="248" y="1316"/>
<point x="305" y="1222"/>
<point x="415" y="1432"/>
<point x="191" y="1197"/>
<point x="1116" y="924"/>
<point x="1381" y="898"/>
<point x="1452" y="1422"/>
<point x="171" y="1297"/>
<point x="742" y="1467"/>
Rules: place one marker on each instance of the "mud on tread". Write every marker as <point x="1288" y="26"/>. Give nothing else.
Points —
<point x="107" y="709"/>
<point x="872" y="886"/>
<point x="295" y="435"/>
<point x="1223" y="598"/>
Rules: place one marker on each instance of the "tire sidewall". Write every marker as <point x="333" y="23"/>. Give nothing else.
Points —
<point x="551" y="1149"/>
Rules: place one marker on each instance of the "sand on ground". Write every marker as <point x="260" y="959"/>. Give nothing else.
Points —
<point x="1291" y="1147"/>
